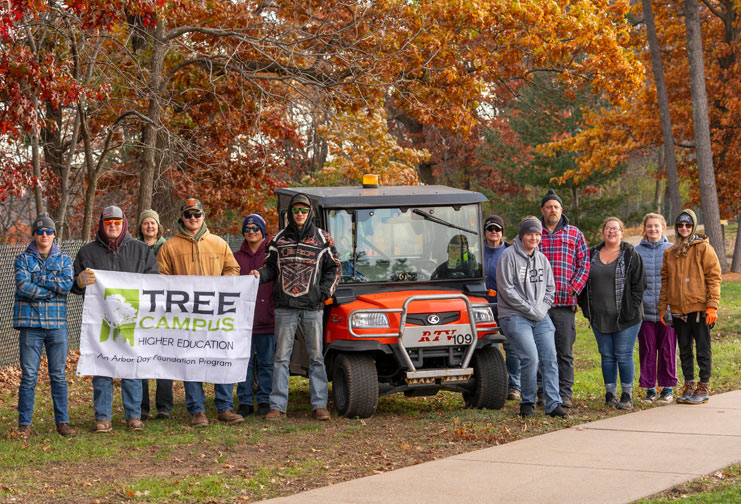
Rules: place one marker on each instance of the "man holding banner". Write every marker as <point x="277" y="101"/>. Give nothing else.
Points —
<point x="195" y="251"/>
<point x="114" y="250"/>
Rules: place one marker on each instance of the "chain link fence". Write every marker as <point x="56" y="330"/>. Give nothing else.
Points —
<point x="9" y="336"/>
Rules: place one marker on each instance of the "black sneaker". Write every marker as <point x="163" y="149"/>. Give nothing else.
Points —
<point x="650" y="395"/>
<point x="163" y="415"/>
<point x="610" y="400"/>
<point x="263" y="409"/>
<point x="626" y="402"/>
<point x="666" y="396"/>
<point x="527" y="410"/>
<point x="558" y="412"/>
<point x="566" y="402"/>
<point x="245" y="409"/>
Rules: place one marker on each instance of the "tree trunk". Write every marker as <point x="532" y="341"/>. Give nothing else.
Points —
<point x="703" y="151"/>
<point x="670" y="158"/>
<point x="151" y="128"/>
<point x="736" y="263"/>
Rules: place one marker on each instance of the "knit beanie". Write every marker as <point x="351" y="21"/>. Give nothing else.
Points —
<point x="255" y="219"/>
<point x="149" y="214"/>
<point x="530" y="225"/>
<point x="43" y="221"/>
<point x="551" y="195"/>
<point x="494" y="219"/>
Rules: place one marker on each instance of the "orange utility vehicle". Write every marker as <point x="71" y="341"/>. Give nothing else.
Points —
<point x="409" y="314"/>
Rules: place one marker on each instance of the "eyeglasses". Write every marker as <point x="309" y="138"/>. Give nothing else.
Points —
<point x="297" y="210"/>
<point x="612" y="228"/>
<point x="684" y="225"/>
<point x="493" y="228"/>
<point x="192" y="215"/>
<point x="44" y="232"/>
<point x="253" y="229"/>
<point x="112" y="222"/>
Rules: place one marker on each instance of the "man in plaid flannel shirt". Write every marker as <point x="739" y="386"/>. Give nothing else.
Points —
<point x="43" y="277"/>
<point x="566" y="249"/>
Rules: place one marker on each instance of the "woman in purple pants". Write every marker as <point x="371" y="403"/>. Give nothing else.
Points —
<point x="657" y="343"/>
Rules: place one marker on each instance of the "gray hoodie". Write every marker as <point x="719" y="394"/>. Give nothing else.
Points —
<point x="525" y="284"/>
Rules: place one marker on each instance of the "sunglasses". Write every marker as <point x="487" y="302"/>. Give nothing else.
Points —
<point x="253" y="229"/>
<point x="684" y="225"/>
<point x="192" y="215"/>
<point x="112" y="222"/>
<point x="44" y="232"/>
<point x="298" y="210"/>
<point x="493" y="227"/>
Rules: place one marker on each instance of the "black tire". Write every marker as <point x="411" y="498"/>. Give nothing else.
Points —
<point x="490" y="373"/>
<point x="355" y="385"/>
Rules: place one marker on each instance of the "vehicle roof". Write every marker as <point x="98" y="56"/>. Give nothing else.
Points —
<point x="384" y="196"/>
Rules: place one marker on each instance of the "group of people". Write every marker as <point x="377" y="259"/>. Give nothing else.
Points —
<point x="298" y="270"/>
<point x="658" y="293"/>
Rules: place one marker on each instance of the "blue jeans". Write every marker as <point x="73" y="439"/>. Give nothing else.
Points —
<point x="535" y="345"/>
<point x="263" y="351"/>
<point x="513" y="367"/>
<point x="195" y="399"/>
<point x="286" y="322"/>
<point x="131" y="397"/>
<point x="616" y="350"/>
<point x="31" y="341"/>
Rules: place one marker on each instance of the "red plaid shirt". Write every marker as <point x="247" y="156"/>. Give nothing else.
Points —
<point x="566" y="249"/>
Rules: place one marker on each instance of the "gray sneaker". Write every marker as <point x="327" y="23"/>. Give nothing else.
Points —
<point x="666" y="395"/>
<point x="650" y="396"/>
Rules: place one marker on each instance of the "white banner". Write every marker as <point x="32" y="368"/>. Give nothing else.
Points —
<point x="191" y="328"/>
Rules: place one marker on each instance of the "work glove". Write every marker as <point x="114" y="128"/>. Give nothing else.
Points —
<point x="663" y="317"/>
<point x="85" y="278"/>
<point x="711" y="316"/>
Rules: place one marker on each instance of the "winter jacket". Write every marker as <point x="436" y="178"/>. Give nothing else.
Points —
<point x="156" y="247"/>
<point x="652" y="254"/>
<point x="526" y="284"/>
<point x="630" y="284"/>
<point x="204" y="255"/>
<point x="264" y="321"/>
<point x="132" y="256"/>
<point x="566" y="249"/>
<point x="41" y="288"/>
<point x="491" y="258"/>
<point x="690" y="283"/>
<point x="303" y="263"/>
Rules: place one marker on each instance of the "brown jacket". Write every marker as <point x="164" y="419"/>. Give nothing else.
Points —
<point x="206" y="255"/>
<point x="690" y="283"/>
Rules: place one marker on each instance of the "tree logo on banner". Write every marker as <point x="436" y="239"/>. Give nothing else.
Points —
<point x="121" y="311"/>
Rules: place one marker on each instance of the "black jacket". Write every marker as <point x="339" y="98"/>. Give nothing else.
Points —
<point x="132" y="256"/>
<point x="303" y="262"/>
<point x="631" y="307"/>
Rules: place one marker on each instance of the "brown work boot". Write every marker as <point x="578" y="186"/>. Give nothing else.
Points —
<point x="230" y="417"/>
<point x="24" y="431"/>
<point x="135" y="424"/>
<point x="199" y="420"/>
<point x="701" y="395"/>
<point x="66" y="430"/>
<point x="103" y="426"/>
<point x="275" y="414"/>
<point x="321" y="414"/>
<point x="687" y="391"/>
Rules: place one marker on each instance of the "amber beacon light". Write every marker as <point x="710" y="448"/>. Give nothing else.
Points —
<point x="370" y="180"/>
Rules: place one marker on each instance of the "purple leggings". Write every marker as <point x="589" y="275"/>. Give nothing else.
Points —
<point x="657" y="349"/>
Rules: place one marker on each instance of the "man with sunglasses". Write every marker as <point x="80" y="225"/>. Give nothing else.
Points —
<point x="43" y="277"/>
<point x="113" y="249"/>
<point x="195" y="251"/>
<point x="494" y="246"/>
<point x="303" y="262"/>
<point x="690" y="287"/>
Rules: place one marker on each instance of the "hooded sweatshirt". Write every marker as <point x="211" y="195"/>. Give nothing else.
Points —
<point x="690" y="274"/>
<point x="526" y="287"/>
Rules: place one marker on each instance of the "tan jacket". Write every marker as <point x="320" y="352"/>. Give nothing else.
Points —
<point x="690" y="283"/>
<point x="209" y="256"/>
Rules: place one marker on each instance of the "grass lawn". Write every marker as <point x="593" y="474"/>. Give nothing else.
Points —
<point x="170" y="462"/>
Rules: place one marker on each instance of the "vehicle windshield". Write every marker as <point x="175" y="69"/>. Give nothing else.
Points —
<point x="407" y="244"/>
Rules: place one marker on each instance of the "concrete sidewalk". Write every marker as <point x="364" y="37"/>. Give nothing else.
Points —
<point x="615" y="460"/>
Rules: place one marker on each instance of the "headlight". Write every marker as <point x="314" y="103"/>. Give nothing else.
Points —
<point x="369" y="321"/>
<point x="483" y="315"/>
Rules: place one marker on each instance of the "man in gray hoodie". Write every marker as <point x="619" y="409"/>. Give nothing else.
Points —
<point x="525" y="293"/>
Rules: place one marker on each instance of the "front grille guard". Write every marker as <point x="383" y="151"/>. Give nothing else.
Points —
<point x="402" y="323"/>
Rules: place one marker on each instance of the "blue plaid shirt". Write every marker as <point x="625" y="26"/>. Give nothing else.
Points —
<point x="41" y="288"/>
